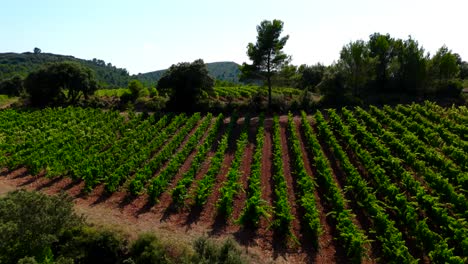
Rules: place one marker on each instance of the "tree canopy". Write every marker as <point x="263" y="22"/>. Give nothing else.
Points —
<point x="266" y="54"/>
<point x="186" y="84"/>
<point x="60" y="83"/>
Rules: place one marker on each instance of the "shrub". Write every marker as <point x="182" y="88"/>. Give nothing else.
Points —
<point x="92" y="245"/>
<point x="207" y="251"/>
<point x="148" y="249"/>
<point x="30" y="222"/>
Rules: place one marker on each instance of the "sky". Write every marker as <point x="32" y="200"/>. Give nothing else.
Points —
<point x="149" y="35"/>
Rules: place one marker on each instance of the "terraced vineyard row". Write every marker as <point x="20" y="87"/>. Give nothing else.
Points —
<point x="350" y="185"/>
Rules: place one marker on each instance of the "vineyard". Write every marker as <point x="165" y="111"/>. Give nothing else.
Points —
<point x="374" y="185"/>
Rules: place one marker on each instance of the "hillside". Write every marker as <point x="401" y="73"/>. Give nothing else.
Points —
<point x="225" y="71"/>
<point x="12" y="64"/>
<point x="108" y="75"/>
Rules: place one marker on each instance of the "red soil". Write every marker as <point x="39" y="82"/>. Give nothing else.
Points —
<point x="136" y="215"/>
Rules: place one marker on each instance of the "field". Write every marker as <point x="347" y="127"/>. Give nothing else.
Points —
<point x="376" y="185"/>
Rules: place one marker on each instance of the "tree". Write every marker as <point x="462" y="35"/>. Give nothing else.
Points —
<point x="186" y="83"/>
<point x="356" y="65"/>
<point x="444" y="64"/>
<point x="136" y="88"/>
<point x="30" y="222"/>
<point x="412" y="66"/>
<point x="288" y="76"/>
<point x="381" y="48"/>
<point x="444" y="70"/>
<point x="464" y="70"/>
<point x="310" y="76"/>
<point x="58" y="83"/>
<point x="37" y="50"/>
<point x="266" y="55"/>
<point x="12" y="86"/>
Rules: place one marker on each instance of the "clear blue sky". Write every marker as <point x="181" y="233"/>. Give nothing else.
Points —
<point x="147" y="35"/>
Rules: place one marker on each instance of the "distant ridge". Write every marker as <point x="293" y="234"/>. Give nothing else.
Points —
<point x="22" y="64"/>
<point x="224" y="70"/>
<point x="108" y="75"/>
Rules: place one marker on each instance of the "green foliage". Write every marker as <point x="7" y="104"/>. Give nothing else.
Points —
<point x="12" y="64"/>
<point x="412" y="66"/>
<point x="205" y="184"/>
<point x="159" y="184"/>
<point x="147" y="249"/>
<point x="31" y="222"/>
<point x="282" y="209"/>
<point x="464" y="71"/>
<point x="12" y="86"/>
<point x="92" y="245"/>
<point x="255" y="207"/>
<point x="180" y="191"/>
<point x="60" y="83"/>
<point x="220" y="71"/>
<point x="310" y="76"/>
<point x="357" y="66"/>
<point x="210" y="252"/>
<point x="443" y="65"/>
<point x="350" y="235"/>
<point x="306" y="186"/>
<point x="27" y="260"/>
<point x="266" y="54"/>
<point x="187" y="83"/>
<point x="136" y="88"/>
<point x="232" y="186"/>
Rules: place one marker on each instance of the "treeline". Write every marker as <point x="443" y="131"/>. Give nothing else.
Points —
<point x="369" y="71"/>
<point x="15" y="66"/>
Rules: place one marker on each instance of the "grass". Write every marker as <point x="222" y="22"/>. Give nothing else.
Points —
<point x="5" y="100"/>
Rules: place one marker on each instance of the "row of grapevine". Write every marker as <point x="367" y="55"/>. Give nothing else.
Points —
<point x="282" y="209"/>
<point x="444" y="131"/>
<point x="205" y="184"/>
<point x="180" y="192"/>
<point x="430" y="155"/>
<point x="146" y="172"/>
<point x="432" y="137"/>
<point x="159" y="184"/>
<point x="448" y="123"/>
<point x="255" y="207"/>
<point x="435" y="180"/>
<point x="352" y="238"/>
<point x="97" y="167"/>
<point x="405" y="167"/>
<point x="225" y="203"/>
<point x="306" y="186"/>
<point x="436" y="245"/>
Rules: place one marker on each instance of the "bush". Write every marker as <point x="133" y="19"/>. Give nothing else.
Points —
<point x="27" y="260"/>
<point x="31" y="222"/>
<point x="92" y="245"/>
<point x="148" y="249"/>
<point x="12" y="86"/>
<point x="207" y="251"/>
<point x="136" y="89"/>
<point x="153" y="92"/>
<point x="449" y="88"/>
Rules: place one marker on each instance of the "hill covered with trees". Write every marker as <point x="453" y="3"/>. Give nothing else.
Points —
<point x="21" y="64"/>
<point x="108" y="75"/>
<point x="224" y="71"/>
